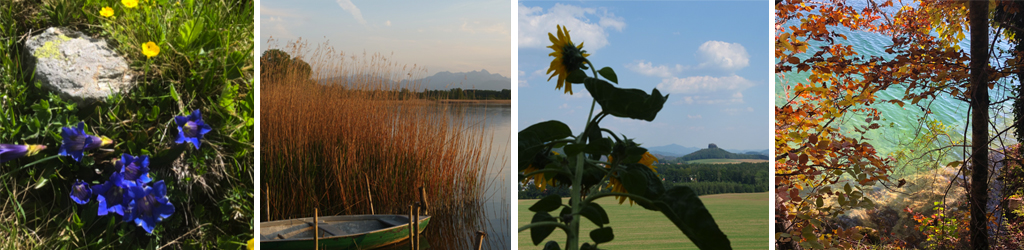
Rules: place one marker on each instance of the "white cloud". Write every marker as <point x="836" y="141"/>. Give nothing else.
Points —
<point x="693" y="116"/>
<point x="522" y="80"/>
<point x="750" y="109"/>
<point x="347" y="5"/>
<point x="535" y="24"/>
<point x="649" y="69"/>
<point x="723" y="55"/>
<point x="388" y="23"/>
<point x="703" y="84"/>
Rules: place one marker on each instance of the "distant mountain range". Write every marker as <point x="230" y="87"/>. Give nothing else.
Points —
<point x="481" y="80"/>
<point x="444" y="80"/>
<point x="676" y="150"/>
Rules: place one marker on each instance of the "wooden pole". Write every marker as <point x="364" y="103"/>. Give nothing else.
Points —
<point x="316" y="229"/>
<point x="368" y="194"/>
<point x="480" y="239"/>
<point x="423" y="201"/>
<point x="416" y="224"/>
<point x="412" y="232"/>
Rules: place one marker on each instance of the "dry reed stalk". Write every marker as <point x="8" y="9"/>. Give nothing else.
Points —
<point x="320" y="135"/>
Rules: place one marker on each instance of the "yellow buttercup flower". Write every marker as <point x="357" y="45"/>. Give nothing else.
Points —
<point x="616" y="186"/>
<point x="150" y="49"/>
<point x="130" y="3"/>
<point x="106" y="12"/>
<point x="250" y="245"/>
<point x="568" y="57"/>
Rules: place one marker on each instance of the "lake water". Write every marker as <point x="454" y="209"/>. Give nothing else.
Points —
<point x="900" y="125"/>
<point x="491" y="213"/>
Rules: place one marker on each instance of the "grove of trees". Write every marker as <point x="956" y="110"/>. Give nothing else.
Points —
<point x="822" y="171"/>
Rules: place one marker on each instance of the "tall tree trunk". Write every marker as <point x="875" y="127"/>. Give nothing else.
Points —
<point x="978" y="14"/>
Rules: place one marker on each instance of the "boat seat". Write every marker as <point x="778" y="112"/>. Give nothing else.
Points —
<point x="329" y="229"/>
<point x="390" y="222"/>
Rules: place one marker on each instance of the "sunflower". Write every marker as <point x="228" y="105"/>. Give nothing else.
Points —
<point x="568" y="57"/>
<point x="616" y="186"/>
<point x="539" y="181"/>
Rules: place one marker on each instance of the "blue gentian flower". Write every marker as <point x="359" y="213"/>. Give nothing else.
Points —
<point x="76" y="141"/>
<point x="150" y="205"/>
<point x="11" y="151"/>
<point x="191" y="128"/>
<point x="80" y="192"/>
<point x="135" y="169"/>
<point x="114" y="195"/>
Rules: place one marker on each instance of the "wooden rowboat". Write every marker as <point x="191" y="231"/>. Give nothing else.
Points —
<point x="338" y="232"/>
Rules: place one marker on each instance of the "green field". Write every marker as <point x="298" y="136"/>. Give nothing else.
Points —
<point x="743" y="217"/>
<point x="724" y="161"/>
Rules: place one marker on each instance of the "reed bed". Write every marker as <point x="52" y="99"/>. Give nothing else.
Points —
<point x="347" y="133"/>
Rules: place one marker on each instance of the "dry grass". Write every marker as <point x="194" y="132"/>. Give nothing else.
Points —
<point x="331" y="144"/>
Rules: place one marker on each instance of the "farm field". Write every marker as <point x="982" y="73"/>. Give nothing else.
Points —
<point x="743" y="217"/>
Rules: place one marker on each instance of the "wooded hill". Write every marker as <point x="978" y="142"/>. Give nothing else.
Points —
<point x="718" y="153"/>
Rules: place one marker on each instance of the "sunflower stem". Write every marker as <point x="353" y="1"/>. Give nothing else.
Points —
<point x="574" y="227"/>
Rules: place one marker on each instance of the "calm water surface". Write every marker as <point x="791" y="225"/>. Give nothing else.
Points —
<point x="491" y="212"/>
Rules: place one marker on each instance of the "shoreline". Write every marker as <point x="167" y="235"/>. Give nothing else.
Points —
<point x="475" y="101"/>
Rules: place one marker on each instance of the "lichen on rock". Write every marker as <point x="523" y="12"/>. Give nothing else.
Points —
<point x="75" y="66"/>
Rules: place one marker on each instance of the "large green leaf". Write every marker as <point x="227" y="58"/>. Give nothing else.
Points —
<point x="532" y="139"/>
<point x="602" y="235"/>
<point x="680" y="204"/>
<point x="628" y="103"/>
<point x="595" y="214"/>
<point x="548" y="204"/>
<point x="687" y="212"/>
<point x="609" y="73"/>
<point x="552" y="245"/>
<point x="539" y="233"/>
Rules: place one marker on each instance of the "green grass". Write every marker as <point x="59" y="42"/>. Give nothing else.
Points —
<point x="205" y="62"/>
<point x="742" y="217"/>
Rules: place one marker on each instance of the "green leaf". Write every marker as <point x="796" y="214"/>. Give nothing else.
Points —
<point x="595" y="213"/>
<point x="538" y="234"/>
<point x="533" y="138"/>
<point x="627" y="103"/>
<point x="174" y="93"/>
<point x="602" y="235"/>
<point x="609" y="74"/>
<point x="640" y="180"/>
<point x="577" y="76"/>
<point x="551" y="245"/>
<point x="154" y="113"/>
<point x="687" y="212"/>
<point x="548" y="204"/>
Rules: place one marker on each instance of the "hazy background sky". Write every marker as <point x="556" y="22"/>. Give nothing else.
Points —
<point x="712" y="57"/>
<point x="453" y="35"/>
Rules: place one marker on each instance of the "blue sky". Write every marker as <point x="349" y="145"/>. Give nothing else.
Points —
<point x="454" y="35"/>
<point x="712" y="57"/>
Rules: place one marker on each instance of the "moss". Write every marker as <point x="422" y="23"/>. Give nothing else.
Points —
<point x="51" y="49"/>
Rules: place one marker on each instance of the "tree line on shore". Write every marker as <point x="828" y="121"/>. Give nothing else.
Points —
<point x="704" y="179"/>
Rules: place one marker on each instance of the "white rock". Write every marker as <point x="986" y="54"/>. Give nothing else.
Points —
<point x="78" y="67"/>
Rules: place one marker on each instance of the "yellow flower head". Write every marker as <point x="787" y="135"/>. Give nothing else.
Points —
<point x="568" y="57"/>
<point x="106" y="12"/>
<point x="539" y="181"/>
<point x="130" y="3"/>
<point x="250" y="244"/>
<point x="150" y="49"/>
<point x="616" y="186"/>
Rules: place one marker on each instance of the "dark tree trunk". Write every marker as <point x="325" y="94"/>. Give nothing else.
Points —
<point x="978" y="14"/>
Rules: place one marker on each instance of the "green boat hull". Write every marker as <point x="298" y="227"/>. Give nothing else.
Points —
<point x="338" y="232"/>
